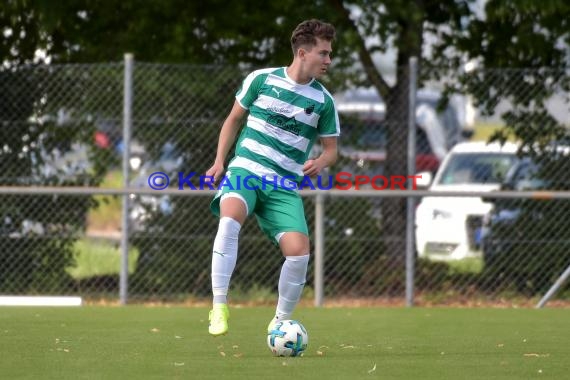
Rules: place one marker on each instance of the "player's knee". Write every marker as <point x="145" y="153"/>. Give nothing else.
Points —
<point x="294" y="244"/>
<point x="235" y="208"/>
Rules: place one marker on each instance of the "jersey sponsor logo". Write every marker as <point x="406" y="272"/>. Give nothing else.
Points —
<point x="286" y="123"/>
<point x="278" y="92"/>
<point x="283" y="110"/>
<point x="310" y="109"/>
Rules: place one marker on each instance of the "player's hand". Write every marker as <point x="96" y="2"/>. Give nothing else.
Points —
<point x="215" y="172"/>
<point x="312" y="168"/>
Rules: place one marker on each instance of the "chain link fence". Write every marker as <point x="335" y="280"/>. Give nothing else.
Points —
<point x="64" y="126"/>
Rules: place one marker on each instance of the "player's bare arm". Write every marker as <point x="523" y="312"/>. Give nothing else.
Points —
<point x="226" y="140"/>
<point x="327" y="158"/>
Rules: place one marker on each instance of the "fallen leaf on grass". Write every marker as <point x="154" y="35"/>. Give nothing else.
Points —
<point x="154" y="330"/>
<point x="176" y="364"/>
<point x="223" y="353"/>
<point x="535" y="355"/>
<point x="373" y="369"/>
<point x="321" y="350"/>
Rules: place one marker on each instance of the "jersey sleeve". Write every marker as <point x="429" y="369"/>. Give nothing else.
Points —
<point x="249" y="90"/>
<point x="329" y="124"/>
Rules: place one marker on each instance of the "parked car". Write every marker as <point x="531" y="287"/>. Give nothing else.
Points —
<point x="537" y="225"/>
<point x="449" y="228"/>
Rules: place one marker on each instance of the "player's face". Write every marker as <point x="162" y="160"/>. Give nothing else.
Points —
<point x="318" y="58"/>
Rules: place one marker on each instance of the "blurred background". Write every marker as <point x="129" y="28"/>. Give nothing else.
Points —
<point x="101" y="95"/>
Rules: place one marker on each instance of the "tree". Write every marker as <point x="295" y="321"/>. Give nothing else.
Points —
<point x="399" y="25"/>
<point x="41" y="124"/>
<point x="531" y="42"/>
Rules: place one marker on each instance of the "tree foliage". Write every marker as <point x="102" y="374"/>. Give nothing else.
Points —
<point x="529" y="41"/>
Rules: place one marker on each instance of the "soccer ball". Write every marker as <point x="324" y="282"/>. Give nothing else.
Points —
<point x="288" y="338"/>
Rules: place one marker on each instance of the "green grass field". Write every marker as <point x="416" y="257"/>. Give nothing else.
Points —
<point x="137" y="342"/>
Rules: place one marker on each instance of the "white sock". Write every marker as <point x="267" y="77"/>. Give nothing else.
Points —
<point x="291" y="284"/>
<point x="224" y="257"/>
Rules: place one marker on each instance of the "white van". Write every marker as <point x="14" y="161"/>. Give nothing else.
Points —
<point x="449" y="228"/>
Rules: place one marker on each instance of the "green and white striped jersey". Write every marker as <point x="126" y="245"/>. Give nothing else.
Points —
<point x="285" y="118"/>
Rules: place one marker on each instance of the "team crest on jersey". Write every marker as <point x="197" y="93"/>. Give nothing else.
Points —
<point x="310" y="109"/>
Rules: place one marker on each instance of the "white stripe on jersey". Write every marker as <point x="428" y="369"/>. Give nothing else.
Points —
<point x="247" y="82"/>
<point x="286" y="109"/>
<point x="259" y="170"/>
<point x="302" y="89"/>
<point x="274" y="105"/>
<point x="298" y="142"/>
<point x="279" y="158"/>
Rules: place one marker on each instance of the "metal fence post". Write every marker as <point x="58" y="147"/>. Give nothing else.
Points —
<point x="554" y="288"/>
<point x="127" y="125"/>
<point x="319" y="249"/>
<point x="410" y="219"/>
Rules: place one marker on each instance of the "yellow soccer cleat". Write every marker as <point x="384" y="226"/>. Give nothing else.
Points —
<point x="219" y="316"/>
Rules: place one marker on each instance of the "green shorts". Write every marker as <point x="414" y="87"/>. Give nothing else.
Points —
<point x="277" y="210"/>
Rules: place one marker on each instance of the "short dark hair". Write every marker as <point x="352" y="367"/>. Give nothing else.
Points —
<point x="307" y="32"/>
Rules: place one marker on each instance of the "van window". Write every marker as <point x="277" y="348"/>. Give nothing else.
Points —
<point x="477" y="168"/>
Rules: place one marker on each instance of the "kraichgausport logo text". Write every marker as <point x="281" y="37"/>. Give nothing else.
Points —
<point x="339" y="181"/>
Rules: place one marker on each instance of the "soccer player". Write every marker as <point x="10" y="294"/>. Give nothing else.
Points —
<point x="287" y="110"/>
